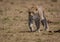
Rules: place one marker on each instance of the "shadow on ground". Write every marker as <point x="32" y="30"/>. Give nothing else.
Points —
<point x="57" y="31"/>
<point x="25" y="32"/>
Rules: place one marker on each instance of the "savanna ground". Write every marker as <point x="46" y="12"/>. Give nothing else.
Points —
<point x="14" y="21"/>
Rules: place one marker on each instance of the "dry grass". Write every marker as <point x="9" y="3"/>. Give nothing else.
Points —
<point x="14" y="21"/>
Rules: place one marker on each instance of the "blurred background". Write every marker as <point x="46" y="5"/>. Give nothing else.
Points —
<point x="14" y="21"/>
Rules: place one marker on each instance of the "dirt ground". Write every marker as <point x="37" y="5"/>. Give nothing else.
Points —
<point x="14" y="21"/>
